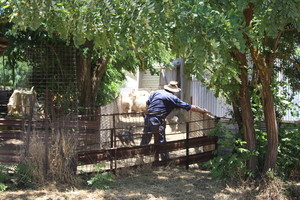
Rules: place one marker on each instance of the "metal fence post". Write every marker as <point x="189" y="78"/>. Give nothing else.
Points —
<point x="47" y="131"/>
<point x="187" y="144"/>
<point x="156" y="142"/>
<point x="115" y="140"/>
<point x="111" y="146"/>
<point x="217" y="120"/>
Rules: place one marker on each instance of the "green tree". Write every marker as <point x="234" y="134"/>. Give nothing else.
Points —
<point x="226" y="42"/>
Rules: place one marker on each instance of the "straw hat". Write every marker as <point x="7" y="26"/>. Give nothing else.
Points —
<point x="172" y="87"/>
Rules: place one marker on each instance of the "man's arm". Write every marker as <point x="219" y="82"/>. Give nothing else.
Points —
<point x="199" y="110"/>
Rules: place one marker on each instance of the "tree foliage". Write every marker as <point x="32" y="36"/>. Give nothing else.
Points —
<point x="108" y="34"/>
<point x="207" y="32"/>
<point x="112" y="24"/>
<point x="234" y="46"/>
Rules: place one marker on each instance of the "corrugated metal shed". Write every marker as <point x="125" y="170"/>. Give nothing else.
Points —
<point x="206" y="99"/>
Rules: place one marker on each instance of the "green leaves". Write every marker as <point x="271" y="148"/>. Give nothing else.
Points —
<point x="205" y="36"/>
<point x="131" y="33"/>
<point x="232" y="156"/>
<point x="81" y="20"/>
<point x="101" y="179"/>
<point x="289" y="149"/>
<point x="203" y="33"/>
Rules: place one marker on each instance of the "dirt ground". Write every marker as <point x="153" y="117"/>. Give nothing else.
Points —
<point x="164" y="183"/>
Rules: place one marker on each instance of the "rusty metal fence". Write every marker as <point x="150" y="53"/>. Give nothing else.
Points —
<point x="110" y="138"/>
<point x="119" y="142"/>
<point x="4" y="97"/>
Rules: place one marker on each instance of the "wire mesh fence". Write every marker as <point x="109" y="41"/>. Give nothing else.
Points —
<point x="54" y="70"/>
<point x="54" y="133"/>
<point x="51" y="125"/>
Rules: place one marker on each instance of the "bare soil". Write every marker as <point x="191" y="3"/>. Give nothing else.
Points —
<point x="164" y="183"/>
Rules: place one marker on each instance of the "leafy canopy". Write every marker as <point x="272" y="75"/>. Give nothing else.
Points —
<point x="116" y="28"/>
<point x="207" y="32"/>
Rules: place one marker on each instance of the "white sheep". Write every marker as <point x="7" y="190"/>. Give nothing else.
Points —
<point x="139" y="101"/>
<point x="20" y="101"/>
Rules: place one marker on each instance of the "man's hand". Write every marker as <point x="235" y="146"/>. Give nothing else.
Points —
<point x="204" y="111"/>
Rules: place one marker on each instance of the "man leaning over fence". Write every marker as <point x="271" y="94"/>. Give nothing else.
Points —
<point x="158" y="107"/>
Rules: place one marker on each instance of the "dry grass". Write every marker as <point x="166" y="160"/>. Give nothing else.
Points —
<point x="62" y="157"/>
<point x="271" y="189"/>
<point x="264" y="189"/>
<point x="34" y="154"/>
<point x="163" y="183"/>
<point x="54" y="161"/>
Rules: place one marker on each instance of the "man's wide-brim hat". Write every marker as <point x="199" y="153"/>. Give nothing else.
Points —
<point x="172" y="87"/>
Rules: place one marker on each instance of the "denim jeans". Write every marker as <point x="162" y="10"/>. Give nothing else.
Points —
<point x="155" y="125"/>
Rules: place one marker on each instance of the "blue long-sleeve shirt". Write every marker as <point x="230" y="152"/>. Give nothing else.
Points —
<point x="162" y="102"/>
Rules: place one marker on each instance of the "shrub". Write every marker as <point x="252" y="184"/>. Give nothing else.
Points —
<point x="288" y="160"/>
<point x="101" y="179"/>
<point x="3" y="187"/>
<point x="261" y="146"/>
<point x="230" y="165"/>
<point x="23" y="176"/>
<point x="4" y="178"/>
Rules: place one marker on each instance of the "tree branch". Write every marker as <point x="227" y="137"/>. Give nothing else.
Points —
<point x="3" y="44"/>
<point x="101" y="66"/>
<point x="138" y="54"/>
<point x="248" y="13"/>
<point x="277" y="40"/>
<point x="280" y="33"/>
<point x="283" y="56"/>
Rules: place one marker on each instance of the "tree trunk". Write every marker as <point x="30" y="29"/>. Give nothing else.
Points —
<point x="89" y="76"/>
<point x="247" y="118"/>
<point x="265" y="75"/>
<point x="271" y="122"/>
<point x="84" y="81"/>
<point x="97" y="75"/>
<point x="246" y="111"/>
<point x="236" y="106"/>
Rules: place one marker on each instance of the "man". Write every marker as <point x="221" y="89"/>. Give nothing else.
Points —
<point x="158" y="107"/>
